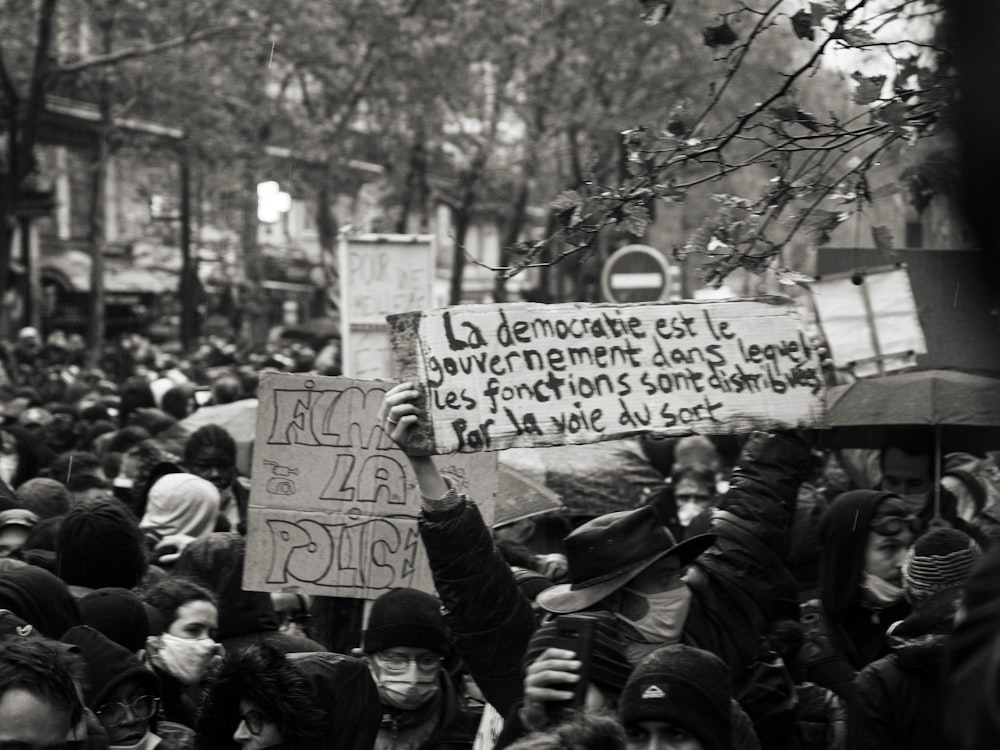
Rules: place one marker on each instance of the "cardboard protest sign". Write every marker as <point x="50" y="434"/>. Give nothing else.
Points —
<point x="334" y="503"/>
<point x="381" y="274"/>
<point x="521" y="375"/>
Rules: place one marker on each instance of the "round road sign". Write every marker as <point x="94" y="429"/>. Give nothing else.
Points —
<point x="636" y="273"/>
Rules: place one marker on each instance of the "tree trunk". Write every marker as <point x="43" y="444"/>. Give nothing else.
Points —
<point x="509" y="235"/>
<point x="326" y="227"/>
<point x="255" y="301"/>
<point x="189" y="273"/>
<point x="98" y="178"/>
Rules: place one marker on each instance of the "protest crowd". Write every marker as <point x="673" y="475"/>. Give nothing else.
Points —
<point x="777" y="595"/>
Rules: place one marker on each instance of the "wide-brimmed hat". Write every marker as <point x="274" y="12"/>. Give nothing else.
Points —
<point x="607" y="552"/>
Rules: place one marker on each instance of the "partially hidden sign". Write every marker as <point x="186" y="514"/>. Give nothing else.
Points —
<point x="334" y="503"/>
<point x="519" y="375"/>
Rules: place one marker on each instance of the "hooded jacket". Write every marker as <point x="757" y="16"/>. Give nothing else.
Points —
<point x="843" y="632"/>
<point x="900" y="698"/>
<point x="264" y="677"/>
<point x="39" y="598"/>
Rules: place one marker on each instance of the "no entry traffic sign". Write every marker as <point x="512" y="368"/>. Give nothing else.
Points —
<point x="636" y="273"/>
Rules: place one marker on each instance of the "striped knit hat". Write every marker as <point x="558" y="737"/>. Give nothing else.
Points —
<point x="941" y="559"/>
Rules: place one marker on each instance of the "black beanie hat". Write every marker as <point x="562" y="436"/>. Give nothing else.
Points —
<point x="683" y="686"/>
<point x="109" y="664"/>
<point x="100" y="545"/>
<point x="119" y="614"/>
<point x="407" y="617"/>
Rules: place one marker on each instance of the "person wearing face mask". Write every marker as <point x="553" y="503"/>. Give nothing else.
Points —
<point x="406" y="644"/>
<point x="183" y="646"/>
<point x="717" y="590"/>
<point x="124" y="695"/>
<point x="864" y="537"/>
<point x="684" y="505"/>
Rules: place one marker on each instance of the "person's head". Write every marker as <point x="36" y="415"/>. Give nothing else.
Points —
<point x="293" y="611"/>
<point x="119" y="614"/>
<point x="121" y="692"/>
<point x="45" y="497"/>
<point x="100" y="545"/>
<point x="39" y="706"/>
<point x="39" y="598"/>
<point x="694" y="492"/>
<point x="907" y="463"/>
<point x="582" y="731"/>
<point x="186" y="609"/>
<point x="75" y="469"/>
<point x="15" y="525"/>
<point x="226" y="388"/>
<point x="941" y="559"/>
<point x="176" y="402"/>
<point x="181" y="503"/>
<point x="863" y="537"/>
<point x="697" y="450"/>
<point x="678" y="698"/>
<point x="258" y="699"/>
<point x="406" y="642"/>
<point x="186" y="645"/>
<point x="210" y="452"/>
<point x="629" y="562"/>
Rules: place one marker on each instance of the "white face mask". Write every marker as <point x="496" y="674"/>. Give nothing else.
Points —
<point x="8" y="467"/>
<point x="880" y="591"/>
<point x="187" y="659"/>
<point x="661" y="625"/>
<point x="687" y="512"/>
<point x="399" y="691"/>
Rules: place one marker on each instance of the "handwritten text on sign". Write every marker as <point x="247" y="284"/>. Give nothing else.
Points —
<point x="334" y="503"/>
<point x="502" y="376"/>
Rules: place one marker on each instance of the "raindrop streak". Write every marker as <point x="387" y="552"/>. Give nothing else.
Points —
<point x="270" y="59"/>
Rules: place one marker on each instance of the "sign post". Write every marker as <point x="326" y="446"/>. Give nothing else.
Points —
<point x="636" y="273"/>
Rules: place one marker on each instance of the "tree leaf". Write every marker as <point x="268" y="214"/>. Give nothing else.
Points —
<point x="802" y="25"/>
<point x="636" y="219"/>
<point x="654" y="11"/>
<point x="569" y="200"/>
<point x="882" y="236"/>
<point x="719" y="36"/>
<point x="869" y="88"/>
<point x="855" y="37"/>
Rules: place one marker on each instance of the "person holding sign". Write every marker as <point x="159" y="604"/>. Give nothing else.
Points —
<point x="660" y="592"/>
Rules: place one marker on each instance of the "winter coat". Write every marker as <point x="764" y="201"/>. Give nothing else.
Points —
<point x="843" y="632"/>
<point x="441" y="725"/>
<point x="899" y="699"/>
<point x="737" y="585"/>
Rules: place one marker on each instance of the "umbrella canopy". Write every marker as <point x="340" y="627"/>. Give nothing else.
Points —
<point x="521" y="496"/>
<point x="962" y="408"/>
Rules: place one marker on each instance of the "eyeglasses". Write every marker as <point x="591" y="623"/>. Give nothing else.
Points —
<point x="254" y="721"/>
<point x="113" y="714"/>
<point x="892" y="525"/>
<point x="299" y="618"/>
<point x="399" y="662"/>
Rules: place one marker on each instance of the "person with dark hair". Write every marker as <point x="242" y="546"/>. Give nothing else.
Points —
<point x="182" y="643"/>
<point x="210" y="453"/>
<point x="406" y="644"/>
<point x="226" y="389"/>
<point x="177" y="402"/>
<point x="39" y="706"/>
<point x="135" y="394"/>
<point x="689" y="495"/>
<point x="45" y="497"/>
<point x="82" y="473"/>
<point x="864" y="537"/>
<point x="124" y="695"/>
<point x="900" y="698"/>
<point x="257" y="700"/>
<point x="100" y="545"/>
<point x="245" y="617"/>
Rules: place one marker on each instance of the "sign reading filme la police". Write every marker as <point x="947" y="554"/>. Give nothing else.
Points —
<point x="523" y="375"/>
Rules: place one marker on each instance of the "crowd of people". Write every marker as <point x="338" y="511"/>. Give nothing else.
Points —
<point x="793" y="598"/>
